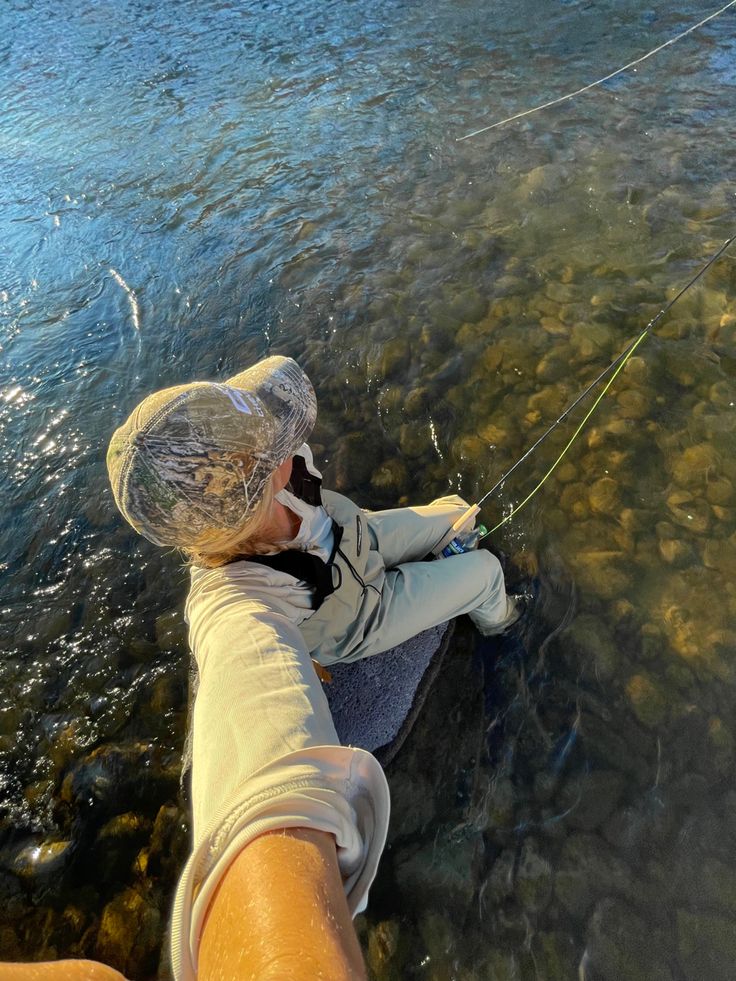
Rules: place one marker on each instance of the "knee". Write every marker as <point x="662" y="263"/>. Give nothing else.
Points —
<point x="494" y="570"/>
<point x="452" y="500"/>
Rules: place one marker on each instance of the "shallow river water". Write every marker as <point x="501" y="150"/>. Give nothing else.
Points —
<point x="189" y="185"/>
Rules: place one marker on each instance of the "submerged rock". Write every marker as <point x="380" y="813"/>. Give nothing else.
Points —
<point x="383" y="946"/>
<point x="130" y="934"/>
<point x="574" y="500"/>
<point x="604" y="496"/>
<point x="603" y="572"/>
<point x="440" y="872"/>
<point x="566" y="473"/>
<point x="588" y="799"/>
<point x="552" y="368"/>
<point x="689" y="512"/>
<point x="721" y="555"/>
<point x="533" y="878"/>
<point x="620" y="945"/>
<point x="706" y="945"/>
<point x="499" y="884"/>
<point x="590" y="639"/>
<point x="41" y="858"/>
<point x="676" y="552"/>
<point x="171" y="631"/>
<point x="391" y="476"/>
<point x="412" y="805"/>
<point x="719" y="491"/>
<point x="354" y="461"/>
<point x="417" y="402"/>
<point x="498" y="434"/>
<point x="541" y="183"/>
<point x="117" y="844"/>
<point x="586" y="868"/>
<point x="723" y="746"/>
<point x="633" y="404"/>
<point x="394" y="357"/>
<point x="554" y="955"/>
<point x="649" y="702"/>
<point x="470" y="451"/>
<point x="694" y="466"/>
<point x="112" y="778"/>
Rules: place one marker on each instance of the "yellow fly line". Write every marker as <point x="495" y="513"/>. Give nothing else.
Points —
<point x="575" y="435"/>
<point x="615" y="368"/>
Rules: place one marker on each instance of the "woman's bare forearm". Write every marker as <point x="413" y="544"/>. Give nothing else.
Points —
<point x="280" y="912"/>
<point x="73" y="970"/>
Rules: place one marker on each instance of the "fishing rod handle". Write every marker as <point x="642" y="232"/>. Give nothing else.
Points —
<point x="465" y="519"/>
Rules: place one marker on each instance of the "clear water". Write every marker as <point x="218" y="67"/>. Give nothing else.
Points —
<point x="189" y="186"/>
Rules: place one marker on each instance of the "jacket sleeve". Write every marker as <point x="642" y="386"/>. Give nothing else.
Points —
<point x="266" y="756"/>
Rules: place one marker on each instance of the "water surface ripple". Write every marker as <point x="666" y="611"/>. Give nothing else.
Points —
<point x="189" y="185"/>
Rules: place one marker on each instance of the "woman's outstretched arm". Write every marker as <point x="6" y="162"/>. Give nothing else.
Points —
<point x="280" y="912"/>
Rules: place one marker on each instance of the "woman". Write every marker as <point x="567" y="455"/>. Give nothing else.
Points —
<point x="281" y="570"/>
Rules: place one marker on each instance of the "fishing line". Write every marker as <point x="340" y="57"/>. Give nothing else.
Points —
<point x="600" y="81"/>
<point x="615" y="366"/>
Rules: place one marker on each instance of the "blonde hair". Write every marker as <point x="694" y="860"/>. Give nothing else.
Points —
<point x="217" y="546"/>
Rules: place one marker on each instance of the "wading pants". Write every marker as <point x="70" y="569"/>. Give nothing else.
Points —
<point x="417" y="595"/>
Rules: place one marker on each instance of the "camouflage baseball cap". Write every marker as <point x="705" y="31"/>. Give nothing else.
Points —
<point x="197" y="457"/>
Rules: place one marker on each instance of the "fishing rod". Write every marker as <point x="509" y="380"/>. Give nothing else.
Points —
<point x="616" y="366"/>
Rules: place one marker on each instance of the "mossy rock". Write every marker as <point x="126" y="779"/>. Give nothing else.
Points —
<point x="470" y="306"/>
<point x="677" y="553"/>
<point x="470" y="450"/>
<point x="415" y="440"/>
<point x="394" y="357"/>
<point x="552" y="368"/>
<point x="574" y="500"/>
<point x="384" y="949"/>
<point x="417" y="402"/>
<point x="637" y="370"/>
<point x="439" y="872"/>
<point x="391" y="476"/>
<point x="130" y="933"/>
<point x="622" y="947"/>
<point x="719" y="491"/>
<point x="500" y="804"/>
<point x="649" y="702"/>
<point x="498" y="434"/>
<point x="591" y="639"/>
<point x="355" y="458"/>
<point x="413" y="805"/>
<point x="590" y="798"/>
<point x="590" y="341"/>
<point x="566" y="473"/>
<point x="603" y="571"/>
<point x="555" y="956"/>
<point x="720" y="555"/>
<point x="588" y="868"/>
<point x="723" y="393"/>
<point x="604" y="496"/>
<point x="706" y="945"/>
<point x="695" y="466"/>
<point x="533" y="878"/>
<point x="689" y="511"/>
<point x="633" y="404"/>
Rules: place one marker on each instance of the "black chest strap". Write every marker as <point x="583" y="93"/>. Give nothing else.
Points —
<point x="311" y="569"/>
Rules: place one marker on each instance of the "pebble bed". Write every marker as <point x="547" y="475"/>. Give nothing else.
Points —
<point x="564" y="807"/>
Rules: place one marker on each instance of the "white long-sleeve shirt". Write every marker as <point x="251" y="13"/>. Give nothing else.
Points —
<point x="265" y="751"/>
